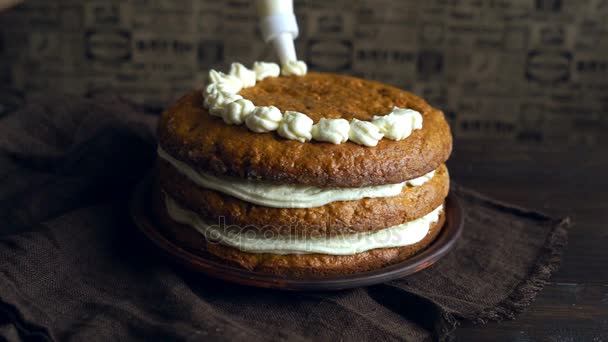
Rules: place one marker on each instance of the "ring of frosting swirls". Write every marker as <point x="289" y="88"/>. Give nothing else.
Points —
<point x="222" y="100"/>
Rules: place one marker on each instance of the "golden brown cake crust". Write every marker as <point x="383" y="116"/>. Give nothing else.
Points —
<point x="189" y="133"/>
<point x="298" y="265"/>
<point x="333" y="218"/>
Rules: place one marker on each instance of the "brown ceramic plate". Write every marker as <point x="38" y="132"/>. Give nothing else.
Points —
<point x="141" y="212"/>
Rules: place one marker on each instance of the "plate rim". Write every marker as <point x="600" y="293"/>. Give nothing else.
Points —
<point x="139" y="210"/>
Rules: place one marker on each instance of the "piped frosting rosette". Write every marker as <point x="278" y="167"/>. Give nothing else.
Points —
<point x="222" y="100"/>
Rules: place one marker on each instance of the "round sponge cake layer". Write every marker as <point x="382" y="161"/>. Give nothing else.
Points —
<point x="299" y="265"/>
<point x="189" y="133"/>
<point x="334" y="218"/>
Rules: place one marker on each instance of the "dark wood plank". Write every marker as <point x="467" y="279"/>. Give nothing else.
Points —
<point x="562" y="312"/>
<point x="561" y="184"/>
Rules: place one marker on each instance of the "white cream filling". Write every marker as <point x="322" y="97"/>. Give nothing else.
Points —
<point x="248" y="241"/>
<point x="286" y="195"/>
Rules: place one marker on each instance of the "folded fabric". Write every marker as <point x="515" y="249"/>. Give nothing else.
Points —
<point x="72" y="265"/>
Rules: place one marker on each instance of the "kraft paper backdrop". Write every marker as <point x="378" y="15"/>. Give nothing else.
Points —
<point x="529" y="71"/>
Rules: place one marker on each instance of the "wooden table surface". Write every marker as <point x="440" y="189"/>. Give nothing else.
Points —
<point x="560" y="181"/>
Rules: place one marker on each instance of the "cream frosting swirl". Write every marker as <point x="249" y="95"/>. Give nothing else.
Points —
<point x="229" y="83"/>
<point x="210" y="90"/>
<point x="334" y="131"/>
<point x="415" y="116"/>
<point x="246" y="76"/>
<point x="285" y="195"/>
<point x="364" y="133"/>
<point x="401" y="235"/>
<point x="398" y="124"/>
<point x="264" y="119"/>
<point x="296" y="68"/>
<point x="236" y="111"/>
<point x="265" y="69"/>
<point x="295" y="126"/>
<point x="213" y="89"/>
<point x="217" y="102"/>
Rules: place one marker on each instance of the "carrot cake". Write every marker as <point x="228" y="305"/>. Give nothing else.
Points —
<point x="280" y="170"/>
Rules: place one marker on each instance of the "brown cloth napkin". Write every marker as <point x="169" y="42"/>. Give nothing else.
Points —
<point x="72" y="266"/>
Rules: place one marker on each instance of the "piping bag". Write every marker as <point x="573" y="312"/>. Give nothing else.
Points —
<point x="278" y="25"/>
